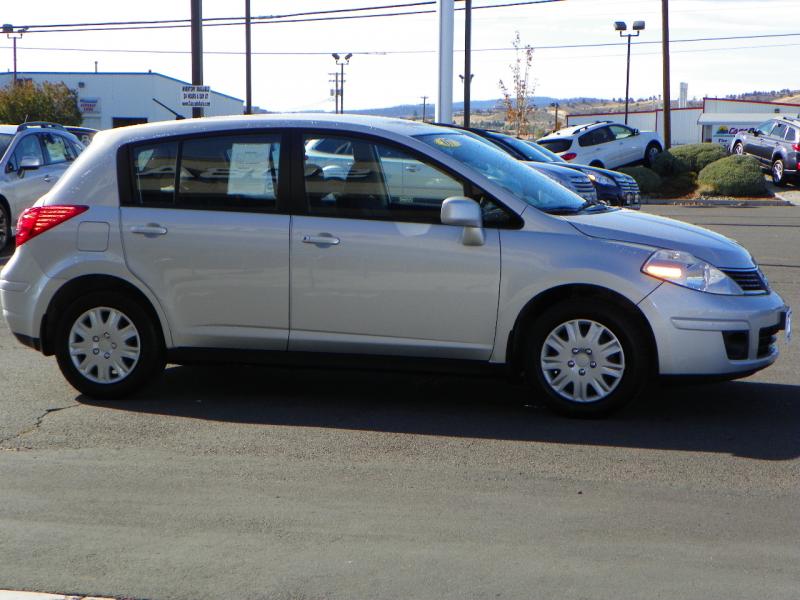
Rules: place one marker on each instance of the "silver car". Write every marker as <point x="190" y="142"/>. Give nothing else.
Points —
<point x="32" y="158"/>
<point x="226" y="239"/>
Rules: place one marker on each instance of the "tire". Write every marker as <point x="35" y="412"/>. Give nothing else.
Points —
<point x="778" y="172"/>
<point x="650" y="153"/>
<point x="738" y="148"/>
<point x="627" y="358"/>
<point x="5" y="228"/>
<point x="127" y="343"/>
<point x="597" y="163"/>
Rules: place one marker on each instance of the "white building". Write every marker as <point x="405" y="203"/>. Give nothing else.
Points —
<point x="716" y="121"/>
<point x="115" y="99"/>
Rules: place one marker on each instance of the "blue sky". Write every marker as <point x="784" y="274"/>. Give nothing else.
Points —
<point x="297" y="82"/>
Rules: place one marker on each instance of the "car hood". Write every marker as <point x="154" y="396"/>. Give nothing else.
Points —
<point x="556" y="170"/>
<point x="659" y="232"/>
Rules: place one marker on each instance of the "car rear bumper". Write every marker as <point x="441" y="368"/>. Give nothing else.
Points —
<point x="700" y="334"/>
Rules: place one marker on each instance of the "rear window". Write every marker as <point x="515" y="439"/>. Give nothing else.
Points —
<point x="556" y="145"/>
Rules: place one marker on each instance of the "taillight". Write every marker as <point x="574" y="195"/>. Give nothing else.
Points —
<point x="796" y="147"/>
<point x="38" y="219"/>
<point x="569" y="156"/>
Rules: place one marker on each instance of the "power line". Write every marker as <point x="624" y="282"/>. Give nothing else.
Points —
<point x="271" y="20"/>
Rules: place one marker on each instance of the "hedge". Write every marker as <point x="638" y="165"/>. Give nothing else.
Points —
<point x="648" y="180"/>
<point x="733" y="176"/>
<point x="698" y="156"/>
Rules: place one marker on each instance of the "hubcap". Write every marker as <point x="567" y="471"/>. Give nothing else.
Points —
<point x="104" y="345"/>
<point x="777" y="171"/>
<point x="582" y="361"/>
<point x="739" y="149"/>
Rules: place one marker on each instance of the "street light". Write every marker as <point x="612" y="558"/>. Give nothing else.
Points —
<point x="14" y="34"/>
<point x="341" y="62"/>
<point x="622" y="27"/>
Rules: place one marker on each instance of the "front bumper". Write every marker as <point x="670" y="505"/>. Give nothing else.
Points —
<point x="713" y="335"/>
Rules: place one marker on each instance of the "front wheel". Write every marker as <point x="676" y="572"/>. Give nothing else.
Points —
<point x="650" y="154"/>
<point x="5" y="227"/>
<point x="587" y="360"/>
<point x="738" y="148"/>
<point x="108" y="346"/>
<point x="778" y="172"/>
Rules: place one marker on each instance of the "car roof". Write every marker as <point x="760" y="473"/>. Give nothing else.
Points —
<point x="363" y="123"/>
<point x="567" y="131"/>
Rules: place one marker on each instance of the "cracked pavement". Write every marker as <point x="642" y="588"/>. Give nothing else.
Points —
<point x="264" y="483"/>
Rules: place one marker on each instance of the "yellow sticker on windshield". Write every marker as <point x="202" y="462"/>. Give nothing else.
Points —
<point x="447" y="142"/>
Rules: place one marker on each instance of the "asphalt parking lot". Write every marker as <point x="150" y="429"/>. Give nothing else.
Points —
<point x="255" y="483"/>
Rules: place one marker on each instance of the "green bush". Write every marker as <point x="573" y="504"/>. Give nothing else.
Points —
<point x="648" y="180"/>
<point x="733" y="176"/>
<point x="668" y="164"/>
<point x="699" y="156"/>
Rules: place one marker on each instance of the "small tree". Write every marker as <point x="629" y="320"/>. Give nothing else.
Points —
<point x="28" y="101"/>
<point x="518" y="102"/>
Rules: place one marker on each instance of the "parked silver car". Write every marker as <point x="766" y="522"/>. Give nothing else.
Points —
<point x="220" y="239"/>
<point x="32" y="158"/>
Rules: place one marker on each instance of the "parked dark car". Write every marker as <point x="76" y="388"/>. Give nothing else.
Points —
<point x="612" y="187"/>
<point x="775" y="144"/>
<point x="84" y="134"/>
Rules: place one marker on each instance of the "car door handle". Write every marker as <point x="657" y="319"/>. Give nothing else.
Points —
<point x="412" y="168"/>
<point x="150" y="229"/>
<point x="323" y="239"/>
<point x="47" y="178"/>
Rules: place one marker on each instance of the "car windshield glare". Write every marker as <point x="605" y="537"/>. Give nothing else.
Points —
<point x="525" y="183"/>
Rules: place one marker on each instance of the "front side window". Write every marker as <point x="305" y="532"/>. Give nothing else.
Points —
<point x="369" y="180"/>
<point x="57" y="149"/>
<point x="766" y="127"/>
<point x="28" y="148"/>
<point x="620" y="132"/>
<point x="5" y="141"/>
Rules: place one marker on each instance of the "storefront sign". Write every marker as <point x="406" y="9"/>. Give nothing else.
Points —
<point x="89" y="106"/>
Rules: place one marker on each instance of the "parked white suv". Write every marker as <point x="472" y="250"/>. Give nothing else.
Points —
<point x="604" y="144"/>
<point x="224" y="239"/>
<point x="32" y="158"/>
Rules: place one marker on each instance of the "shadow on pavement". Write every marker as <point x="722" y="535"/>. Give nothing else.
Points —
<point x="756" y="420"/>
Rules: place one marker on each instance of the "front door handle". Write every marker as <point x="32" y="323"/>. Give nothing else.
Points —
<point x="150" y="229"/>
<point x="47" y="178"/>
<point x="323" y="239"/>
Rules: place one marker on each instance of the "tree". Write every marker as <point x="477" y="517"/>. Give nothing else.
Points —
<point x="518" y="102"/>
<point x="29" y="101"/>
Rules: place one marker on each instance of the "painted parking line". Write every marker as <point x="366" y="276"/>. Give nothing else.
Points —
<point x="18" y="595"/>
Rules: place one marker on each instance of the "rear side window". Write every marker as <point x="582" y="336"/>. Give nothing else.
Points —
<point x="556" y="145"/>
<point x="779" y="131"/>
<point x="791" y="135"/>
<point x="210" y="172"/>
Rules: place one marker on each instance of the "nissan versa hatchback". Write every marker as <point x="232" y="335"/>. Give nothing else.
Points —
<point x="226" y="239"/>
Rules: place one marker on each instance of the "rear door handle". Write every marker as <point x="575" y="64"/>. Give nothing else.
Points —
<point x="323" y="239"/>
<point x="150" y="229"/>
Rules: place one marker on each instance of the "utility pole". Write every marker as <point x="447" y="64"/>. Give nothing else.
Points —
<point x="341" y="62"/>
<point x="14" y="35"/>
<point x="665" y="52"/>
<point x="467" y="59"/>
<point x="197" y="50"/>
<point x="335" y="90"/>
<point x="248" y="56"/>
<point x="424" y="106"/>
<point x="444" y="96"/>
<point x="555" y="127"/>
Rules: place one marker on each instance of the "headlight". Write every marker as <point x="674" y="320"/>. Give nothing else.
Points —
<point x="681" y="268"/>
<point x="599" y="177"/>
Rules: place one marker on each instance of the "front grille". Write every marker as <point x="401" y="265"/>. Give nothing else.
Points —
<point x="584" y="187"/>
<point x="767" y="337"/>
<point x="751" y="281"/>
<point x="628" y="185"/>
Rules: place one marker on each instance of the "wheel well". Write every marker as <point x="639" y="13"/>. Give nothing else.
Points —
<point x="7" y="206"/>
<point x="80" y="286"/>
<point x="596" y="163"/>
<point x="518" y="337"/>
<point x="653" y="143"/>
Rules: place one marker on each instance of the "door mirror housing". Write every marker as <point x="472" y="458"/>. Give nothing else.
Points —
<point x="464" y="212"/>
<point x="635" y="132"/>
<point x="29" y="163"/>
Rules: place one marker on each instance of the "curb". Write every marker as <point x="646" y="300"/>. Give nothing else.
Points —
<point x="18" y="595"/>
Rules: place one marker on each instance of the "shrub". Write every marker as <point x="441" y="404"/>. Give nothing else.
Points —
<point x="678" y="185"/>
<point x="733" y="176"/>
<point x="699" y="156"/>
<point x="668" y="164"/>
<point x="648" y="180"/>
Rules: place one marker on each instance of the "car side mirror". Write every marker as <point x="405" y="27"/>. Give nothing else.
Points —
<point x="29" y="163"/>
<point x="464" y="212"/>
<point x="635" y="132"/>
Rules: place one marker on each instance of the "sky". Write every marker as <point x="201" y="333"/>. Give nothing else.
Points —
<point x="395" y="59"/>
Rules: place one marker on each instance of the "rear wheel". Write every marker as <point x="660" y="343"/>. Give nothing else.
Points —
<point x="650" y="154"/>
<point x="108" y="346"/>
<point x="778" y="172"/>
<point x="5" y="227"/>
<point x="738" y="148"/>
<point x="587" y="360"/>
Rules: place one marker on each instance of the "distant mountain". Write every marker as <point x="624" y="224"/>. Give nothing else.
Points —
<point x="411" y="110"/>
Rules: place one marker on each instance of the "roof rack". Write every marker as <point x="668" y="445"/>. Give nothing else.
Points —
<point x="43" y="124"/>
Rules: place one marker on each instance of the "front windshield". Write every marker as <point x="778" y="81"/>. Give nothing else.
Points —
<point x="530" y="153"/>
<point x="521" y="180"/>
<point x="5" y="140"/>
<point x="545" y="153"/>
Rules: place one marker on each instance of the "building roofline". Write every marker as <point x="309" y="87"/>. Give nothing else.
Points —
<point x="92" y="73"/>
<point x="750" y="102"/>
<point x="633" y="112"/>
